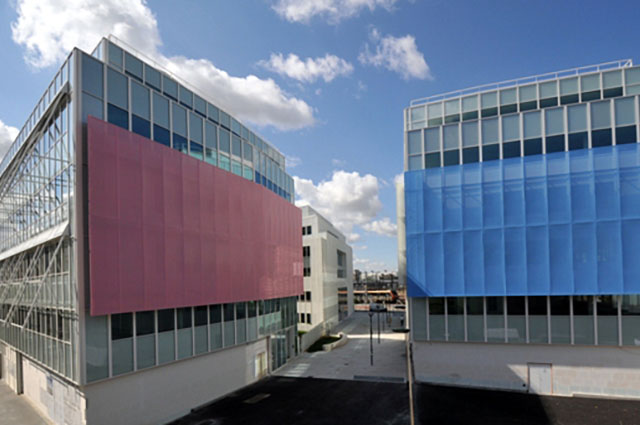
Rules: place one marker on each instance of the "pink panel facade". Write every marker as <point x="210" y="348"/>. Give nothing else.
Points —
<point x="167" y="230"/>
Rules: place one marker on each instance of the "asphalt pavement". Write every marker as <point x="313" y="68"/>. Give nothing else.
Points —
<point x="311" y="401"/>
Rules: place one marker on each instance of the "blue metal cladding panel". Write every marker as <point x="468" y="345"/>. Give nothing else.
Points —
<point x="565" y="223"/>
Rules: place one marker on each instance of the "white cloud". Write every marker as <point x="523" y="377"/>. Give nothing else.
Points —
<point x="338" y="162"/>
<point x="382" y="227"/>
<point x="353" y="237"/>
<point x="48" y="30"/>
<point x="347" y="200"/>
<point x="398" y="54"/>
<point x="360" y="247"/>
<point x="7" y="136"/>
<point x="293" y="161"/>
<point x="309" y="70"/>
<point x="366" y="264"/>
<point x="332" y="10"/>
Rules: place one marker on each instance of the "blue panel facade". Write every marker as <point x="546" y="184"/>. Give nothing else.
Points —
<point x="565" y="223"/>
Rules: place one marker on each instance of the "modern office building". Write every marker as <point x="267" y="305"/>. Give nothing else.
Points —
<point x="522" y="203"/>
<point x="328" y="275"/>
<point x="149" y="248"/>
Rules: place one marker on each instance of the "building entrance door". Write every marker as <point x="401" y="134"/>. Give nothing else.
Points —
<point x="540" y="378"/>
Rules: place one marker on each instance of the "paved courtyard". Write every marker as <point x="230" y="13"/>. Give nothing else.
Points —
<point x="15" y="410"/>
<point x="352" y="361"/>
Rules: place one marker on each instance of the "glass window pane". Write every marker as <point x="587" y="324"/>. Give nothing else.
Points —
<point x="511" y="128"/>
<point x="213" y="113"/>
<point x="432" y="139"/>
<point x="516" y="321"/>
<point x="160" y="110"/>
<point x="508" y="97"/>
<point x="470" y="134"/>
<point x="170" y="87"/>
<point x="225" y="140"/>
<point x="145" y="323"/>
<point x="97" y="352"/>
<point x="117" y="92"/>
<point x="489" y="100"/>
<point x="600" y="115"/>
<point x="419" y="319"/>
<point x="495" y="319"/>
<point x="415" y="162"/>
<point x="554" y="121"/>
<point x="560" y="320"/>
<point x="179" y="120"/>
<point x="532" y="125"/>
<point x="247" y="151"/>
<point x="91" y="106"/>
<point x="211" y="135"/>
<point x="470" y="103"/>
<point x="455" y="318"/>
<point x="489" y="131"/>
<point x="139" y="100"/>
<point x="583" y="319"/>
<point x="590" y="82"/>
<point x="451" y="137"/>
<point x="432" y="160"/>
<point x="631" y="319"/>
<point x="115" y="55"/>
<point x="612" y="79"/>
<point x="225" y="163"/>
<point x="133" y="65"/>
<point x="92" y="79"/>
<point x="153" y="77"/>
<point x="538" y="320"/>
<point x="632" y="76"/>
<point x="625" y="111"/>
<point x="569" y="86"/>
<point x="417" y="114"/>
<point x="186" y="96"/>
<point x="436" y="319"/>
<point x="236" y="145"/>
<point x="452" y="107"/>
<point x="434" y="110"/>
<point x="195" y="127"/>
<point x="607" y="306"/>
<point x="528" y="93"/>
<point x="475" y="319"/>
<point x="548" y="89"/>
<point x="577" y="116"/>
<point x="414" y="142"/>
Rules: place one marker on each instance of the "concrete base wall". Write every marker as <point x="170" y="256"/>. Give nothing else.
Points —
<point x="575" y="370"/>
<point x="162" y="394"/>
<point x="58" y="400"/>
<point x="312" y="335"/>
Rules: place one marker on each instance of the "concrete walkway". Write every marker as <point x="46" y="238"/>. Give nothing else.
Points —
<point x="352" y="361"/>
<point x="15" y="410"/>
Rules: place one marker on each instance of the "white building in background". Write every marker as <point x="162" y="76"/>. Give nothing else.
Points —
<point x="328" y="275"/>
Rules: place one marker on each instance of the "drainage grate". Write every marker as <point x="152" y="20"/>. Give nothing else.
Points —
<point x="256" y="398"/>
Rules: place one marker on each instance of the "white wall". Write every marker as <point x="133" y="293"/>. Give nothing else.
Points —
<point x="610" y="371"/>
<point x="8" y="366"/>
<point x="60" y="401"/>
<point x="162" y="394"/>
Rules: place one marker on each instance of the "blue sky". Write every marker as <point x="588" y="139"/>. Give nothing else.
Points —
<point x="338" y="107"/>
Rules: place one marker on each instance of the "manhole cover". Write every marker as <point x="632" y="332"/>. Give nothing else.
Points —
<point x="256" y="398"/>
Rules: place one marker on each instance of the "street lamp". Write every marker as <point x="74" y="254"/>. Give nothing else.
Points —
<point x="371" y="335"/>
<point x="409" y="372"/>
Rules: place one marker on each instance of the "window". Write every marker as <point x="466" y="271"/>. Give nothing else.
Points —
<point x="491" y="152"/>
<point x="452" y="111"/>
<point x="307" y="295"/>
<point x="415" y="162"/>
<point x="308" y="318"/>
<point x="140" y="100"/>
<point x="508" y="102"/>
<point x="489" y="104"/>
<point x="538" y="320"/>
<point x="225" y="139"/>
<point x="115" y="55"/>
<point x="247" y="151"/>
<point x="186" y="97"/>
<point x="452" y="157"/>
<point x="179" y="120"/>
<point x="548" y="94"/>
<point x="414" y="142"/>
<point x="117" y="91"/>
<point x="451" y="140"/>
<point x="153" y="77"/>
<point x="475" y="319"/>
<point x="590" y="87"/>
<point x="432" y="160"/>
<point x="434" y="113"/>
<point x="92" y="78"/>
<point x="306" y="251"/>
<point x="133" y="66"/>
<point x="569" y="91"/>
<point x="170" y="87"/>
<point x="511" y="128"/>
<point x="607" y="311"/>
<point x="489" y="131"/>
<point x="516" y="324"/>
<point x="342" y="264"/>
<point x="121" y="326"/>
<point x="470" y="108"/>
<point x="166" y="341"/>
<point x="528" y="97"/>
<point x="583" y="320"/>
<point x="432" y="139"/>
<point x="625" y="121"/>
<point x="470" y="134"/>
<point x="495" y="319"/>
<point x="612" y="84"/>
<point x="117" y="116"/>
<point x="436" y="319"/>
<point x="630" y="307"/>
<point x="160" y="110"/>
<point x="306" y="272"/>
<point x="145" y="339"/>
<point x="308" y="230"/>
<point x="470" y="155"/>
<point x="455" y="317"/>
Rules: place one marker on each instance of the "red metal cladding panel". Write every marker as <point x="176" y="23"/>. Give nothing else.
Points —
<point x="168" y="231"/>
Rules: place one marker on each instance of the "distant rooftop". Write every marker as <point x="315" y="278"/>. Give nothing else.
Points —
<point x="623" y="63"/>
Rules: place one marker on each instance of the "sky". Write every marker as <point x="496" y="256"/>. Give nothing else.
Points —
<point x="324" y="81"/>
